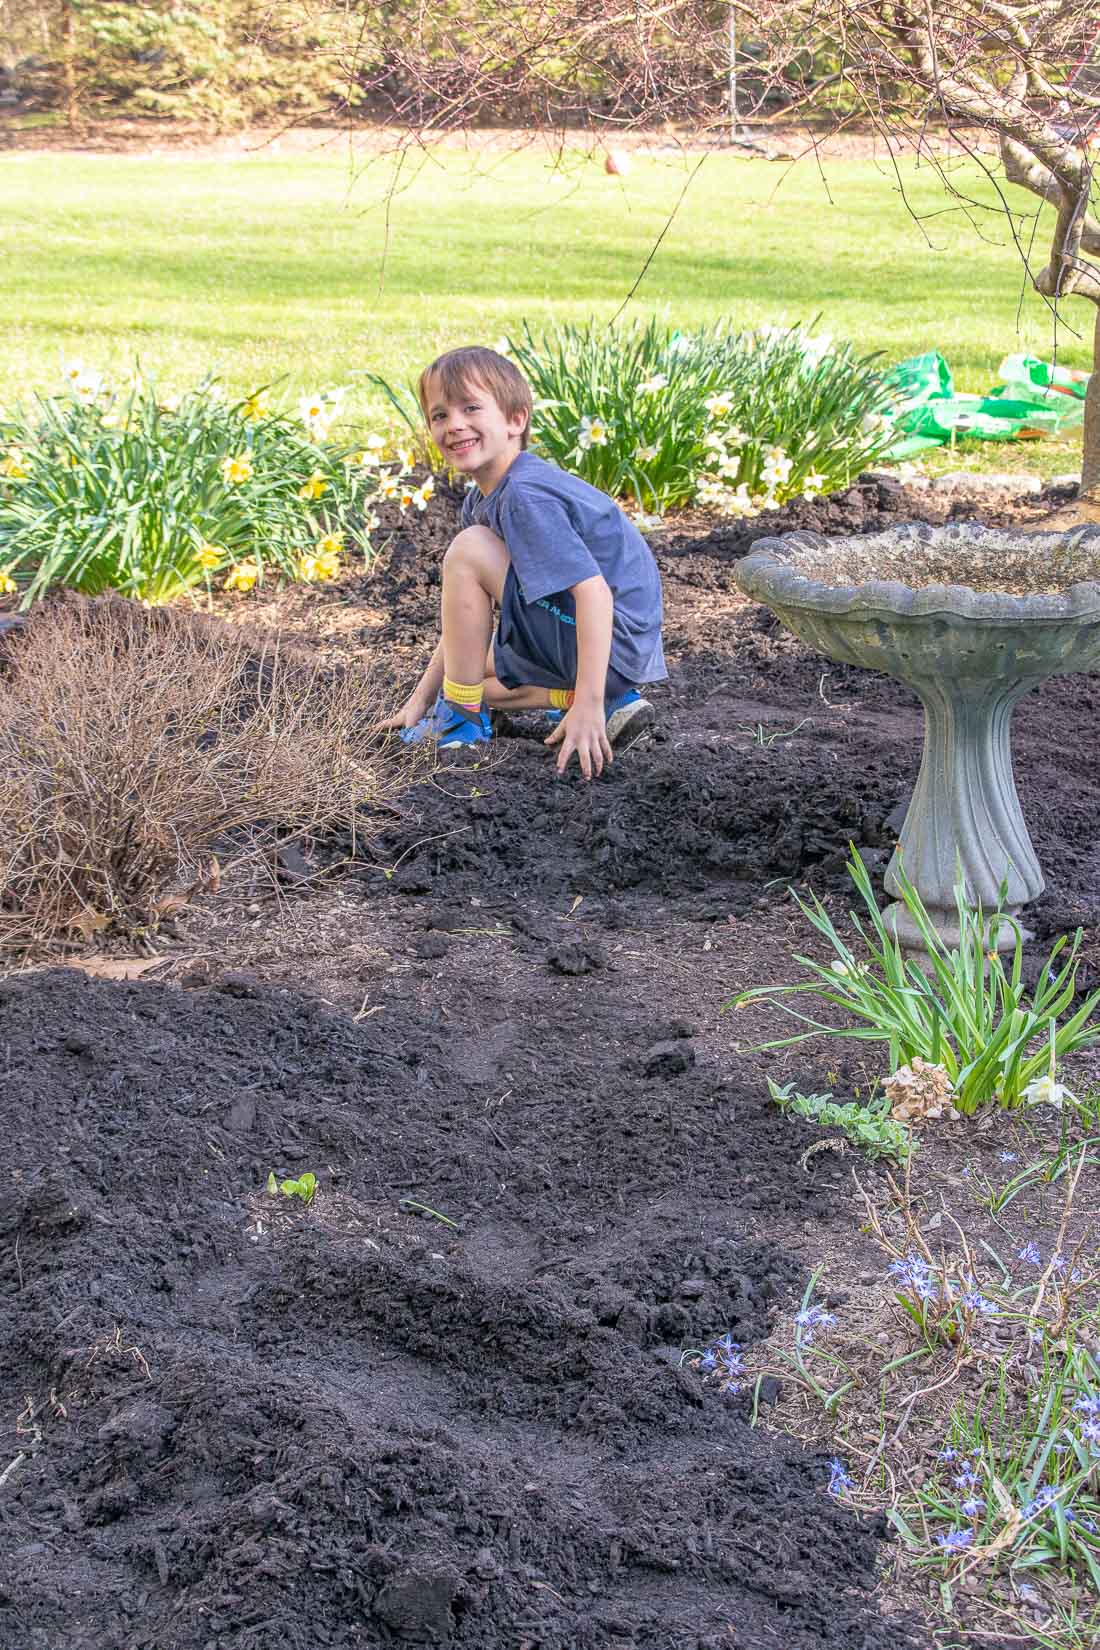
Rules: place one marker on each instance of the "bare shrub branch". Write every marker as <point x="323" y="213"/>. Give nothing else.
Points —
<point x="143" y="751"/>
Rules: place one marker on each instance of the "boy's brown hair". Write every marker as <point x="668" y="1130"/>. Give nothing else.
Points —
<point x="458" y="369"/>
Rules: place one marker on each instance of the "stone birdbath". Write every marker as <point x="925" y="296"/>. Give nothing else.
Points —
<point x="970" y="618"/>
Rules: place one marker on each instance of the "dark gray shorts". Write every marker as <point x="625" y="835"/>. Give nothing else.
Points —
<point x="536" y="642"/>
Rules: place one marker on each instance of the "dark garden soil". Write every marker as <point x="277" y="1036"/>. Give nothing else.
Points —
<point x="444" y="1404"/>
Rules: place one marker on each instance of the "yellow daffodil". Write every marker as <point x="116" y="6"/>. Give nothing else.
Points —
<point x="209" y="555"/>
<point x="256" y="407"/>
<point x="314" y="487"/>
<point x="15" y="465"/>
<point x="330" y="544"/>
<point x="243" y="576"/>
<point x="8" y="585"/>
<point x="319" y="567"/>
<point x="237" y="470"/>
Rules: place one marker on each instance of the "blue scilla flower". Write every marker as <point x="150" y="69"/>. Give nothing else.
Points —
<point x="1090" y="1434"/>
<point x="839" y="1481"/>
<point x="1030" y="1253"/>
<point x="975" y="1301"/>
<point x="1088" y="1404"/>
<point x="1059" y="1264"/>
<point x="708" y="1362"/>
<point x="972" y="1506"/>
<point x="955" y="1540"/>
<point x="1042" y="1499"/>
<point x="966" y="1477"/>
<point x="1083" y="1523"/>
<point x="1008" y="1157"/>
<point x="814" y="1317"/>
<point x="947" y="1453"/>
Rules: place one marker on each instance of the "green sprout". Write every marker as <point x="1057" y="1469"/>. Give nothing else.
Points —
<point x="304" y="1187"/>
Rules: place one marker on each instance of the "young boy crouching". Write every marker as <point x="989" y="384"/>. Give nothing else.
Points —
<point x="576" y="585"/>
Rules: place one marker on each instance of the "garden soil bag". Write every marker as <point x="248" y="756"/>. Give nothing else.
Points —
<point x="1033" y="399"/>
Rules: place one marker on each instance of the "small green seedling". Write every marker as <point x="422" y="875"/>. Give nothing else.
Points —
<point x="304" y="1187"/>
<point x="761" y="737"/>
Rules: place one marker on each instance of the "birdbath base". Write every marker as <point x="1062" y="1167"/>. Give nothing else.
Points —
<point x="971" y="618"/>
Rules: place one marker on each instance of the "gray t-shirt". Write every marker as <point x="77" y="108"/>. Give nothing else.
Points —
<point x="558" y="531"/>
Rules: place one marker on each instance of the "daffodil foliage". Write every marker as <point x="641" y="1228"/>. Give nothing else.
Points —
<point x="738" y="421"/>
<point x="121" y="487"/>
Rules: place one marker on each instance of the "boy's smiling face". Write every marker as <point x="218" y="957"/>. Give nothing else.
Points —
<point x="474" y="433"/>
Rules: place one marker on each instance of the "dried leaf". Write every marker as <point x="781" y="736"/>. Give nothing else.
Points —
<point x="116" y="968"/>
<point x="89" y="922"/>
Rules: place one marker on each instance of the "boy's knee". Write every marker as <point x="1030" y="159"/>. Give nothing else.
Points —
<point x="480" y="551"/>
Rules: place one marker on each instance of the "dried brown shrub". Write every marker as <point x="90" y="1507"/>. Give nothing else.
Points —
<point x="143" y="751"/>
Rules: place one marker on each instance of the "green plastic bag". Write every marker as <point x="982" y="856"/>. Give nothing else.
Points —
<point x="1033" y="399"/>
<point x="1027" y="373"/>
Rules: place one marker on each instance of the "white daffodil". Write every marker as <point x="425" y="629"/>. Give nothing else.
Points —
<point x="814" y="350"/>
<point x="82" y="381"/>
<point x="1044" y="1091"/>
<point x="776" y="468"/>
<point x="729" y="465"/>
<point x="651" y="386"/>
<point x="593" y="432"/>
<point x="813" y="484"/>
<point x="316" y="415"/>
<point x="735" y="437"/>
<point x="646" y="455"/>
<point x="720" y="405"/>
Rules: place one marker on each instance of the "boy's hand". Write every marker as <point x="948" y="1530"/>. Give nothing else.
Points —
<point x="583" y="729"/>
<point x="409" y="714"/>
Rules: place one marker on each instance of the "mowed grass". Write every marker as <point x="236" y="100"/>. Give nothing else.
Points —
<point x="300" y="269"/>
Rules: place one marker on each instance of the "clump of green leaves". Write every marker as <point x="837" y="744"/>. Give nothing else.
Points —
<point x="304" y="1187"/>
<point x="869" y="1127"/>
<point x="961" y="1008"/>
<point x="741" y="421"/>
<point x="122" y="488"/>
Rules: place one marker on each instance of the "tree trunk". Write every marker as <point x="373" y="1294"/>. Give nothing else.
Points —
<point x="68" y="66"/>
<point x="1090" y="441"/>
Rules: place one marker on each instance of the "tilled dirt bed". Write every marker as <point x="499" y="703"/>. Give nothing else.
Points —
<point x="446" y="1404"/>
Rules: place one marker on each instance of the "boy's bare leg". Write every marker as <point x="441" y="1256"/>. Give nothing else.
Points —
<point x="528" y="697"/>
<point x="474" y="570"/>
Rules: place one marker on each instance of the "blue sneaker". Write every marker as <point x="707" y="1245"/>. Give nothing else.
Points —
<point x="627" y="715"/>
<point x="449" y="725"/>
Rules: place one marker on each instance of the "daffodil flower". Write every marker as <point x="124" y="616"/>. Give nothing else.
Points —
<point x="314" y="487"/>
<point x="316" y="415"/>
<point x="82" y="381"/>
<point x="1044" y="1091"/>
<point x="387" y="485"/>
<point x="243" y="576"/>
<point x="646" y="455"/>
<point x="15" y="465"/>
<point x="257" y="407"/>
<point x="652" y="386"/>
<point x="8" y="585"/>
<point x="318" y="568"/>
<point x="720" y="405"/>
<point x="776" y="468"/>
<point x="209" y="555"/>
<point x="236" y="471"/>
<point x="813" y="484"/>
<point x="330" y="544"/>
<point x="593" y="432"/>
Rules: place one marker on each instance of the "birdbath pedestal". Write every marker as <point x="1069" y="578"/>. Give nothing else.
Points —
<point x="970" y="618"/>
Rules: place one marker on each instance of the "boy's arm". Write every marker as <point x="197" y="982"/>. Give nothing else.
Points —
<point x="583" y="728"/>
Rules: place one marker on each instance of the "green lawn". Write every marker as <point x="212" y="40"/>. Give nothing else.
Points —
<point x="265" y="267"/>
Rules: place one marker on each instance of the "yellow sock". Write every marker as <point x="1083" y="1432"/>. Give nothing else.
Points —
<point x="561" y="698"/>
<point x="458" y="694"/>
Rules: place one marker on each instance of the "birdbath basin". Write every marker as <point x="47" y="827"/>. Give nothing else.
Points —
<point x="970" y="618"/>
